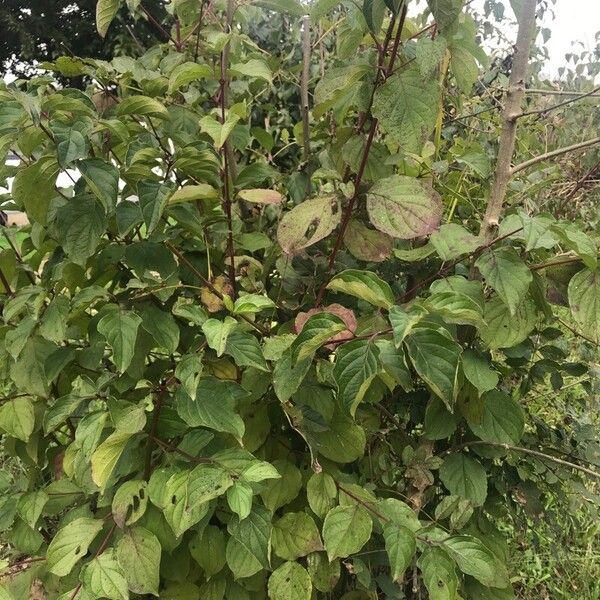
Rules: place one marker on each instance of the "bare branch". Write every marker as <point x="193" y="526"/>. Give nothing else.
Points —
<point x="514" y="98"/>
<point x="542" y="111"/>
<point x="226" y="149"/>
<point x="558" y="92"/>
<point x="536" y="159"/>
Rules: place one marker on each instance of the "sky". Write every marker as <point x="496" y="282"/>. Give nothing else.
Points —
<point x="576" y="20"/>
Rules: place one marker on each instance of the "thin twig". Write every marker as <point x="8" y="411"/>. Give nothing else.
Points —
<point x="159" y="26"/>
<point x="536" y="453"/>
<point x="578" y="185"/>
<point x="547" y="155"/>
<point x="160" y="397"/>
<point x="304" y="85"/>
<point x="209" y="285"/>
<point x="348" y="210"/>
<point x="557" y="92"/>
<point x="170" y="448"/>
<point x="227" y="154"/>
<point x="543" y="111"/>
<point x="578" y="333"/>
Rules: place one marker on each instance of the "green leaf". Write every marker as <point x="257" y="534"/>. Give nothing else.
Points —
<point x="249" y="547"/>
<point x="254" y="68"/>
<point x="343" y="441"/>
<point x="239" y="499"/>
<point x="453" y="240"/>
<point x="355" y="368"/>
<point x="445" y="12"/>
<point x="70" y="141"/>
<point x="346" y="530"/>
<point x="502" y="420"/>
<point x="287" y="378"/>
<point x="429" y="53"/>
<point x="465" y="477"/>
<point x="192" y="193"/>
<point x="404" y="207"/>
<point x="455" y="307"/>
<point x="406" y="106"/>
<point x="252" y="304"/>
<point x="321" y="493"/>
<point x="400" y="546"/>
<point x="290" y="581"/>
<point x="217" y="332"/>
<point x="259" y="471"/>
<point x="130" y="502"/>
<point x="214" y="406"/>
<point x="138" y="553"/>
<point x="308" y="223"/>
<point x="503" y="329"/>
<point x="80" y="223"/>
<point x="31" y="505"/>
<point x="54" y="321"/>
<point x="364" y="285"/>
<point x="295" y="535"/>
<point x="337" y="85"/>
<point x="507" y="274"/>
<point x="439" y="574"/>
<point x="435" y="358"/>
<point x="367" y="244"/>
<point x="584" y="301"/>
<point x="319" y="329"/>
<point x="478" y="371"/>
<point x="211" y="537"/>
<point x="439" y="422"/>
<point x="186" y="73"/>
<point x="142" y="106"/>
<point x="153" y="199"/>
<point x="70" y="544"/>
<point x="120" y="328"/>
<point x="17" y="418"/>
<point x="186" y="495"/>
<point x="402" y="323"/>
<point x="106" y="11"/>
<point x="475" y="559"/>
<point x="33" y="187"/>
<point x="373" y="11"/>
<point x="245" y="350"/>
<point x="106" y="456"/>
<point x="279" y="492"/>
<point x="104" y="578"/>
<point x="161" y="326"/>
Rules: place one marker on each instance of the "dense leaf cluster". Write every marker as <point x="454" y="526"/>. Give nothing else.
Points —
<point x="232" y="371"/>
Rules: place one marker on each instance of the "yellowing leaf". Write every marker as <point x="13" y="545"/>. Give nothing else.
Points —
<point x="261" y="196"/>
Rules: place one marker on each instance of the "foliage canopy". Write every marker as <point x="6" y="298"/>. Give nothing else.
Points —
<point x="254" y="350"/>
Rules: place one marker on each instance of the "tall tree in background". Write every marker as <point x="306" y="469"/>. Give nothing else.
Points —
<point x="41" y="30"/>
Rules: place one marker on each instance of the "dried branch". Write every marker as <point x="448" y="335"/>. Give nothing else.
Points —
<point x="543" y="111"/>
<point x="536" y="453"/>
<point x="536" y="159"/>
<point x="514" y="98"/>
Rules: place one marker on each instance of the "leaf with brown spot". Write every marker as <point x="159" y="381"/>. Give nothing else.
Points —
<point x="308" y="223"/>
